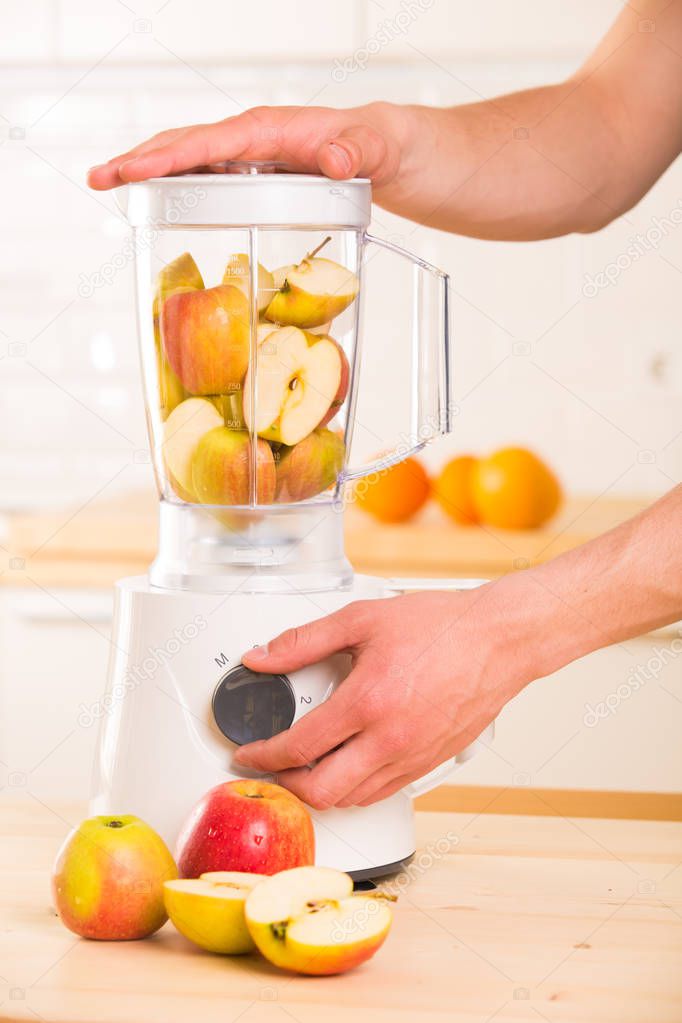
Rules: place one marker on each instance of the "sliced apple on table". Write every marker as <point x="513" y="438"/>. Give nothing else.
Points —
<point x="238" y="273"/>
<point x="311" y="292"/>
<point x="209" y="910"/>
<point x="206" y="338"/>
<point x="222" y="469"/>
<point x="297" y="379"/>
<point x="309" y="467"/>
<point x="182" y="431"/>
<point x="308" y="920"/>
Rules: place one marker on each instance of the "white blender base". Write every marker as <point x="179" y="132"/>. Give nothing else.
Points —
<point x="160" y="749"/>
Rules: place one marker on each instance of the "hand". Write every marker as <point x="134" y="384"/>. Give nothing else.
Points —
<point x="367" y="141"/>
<point x="430" y="672"/>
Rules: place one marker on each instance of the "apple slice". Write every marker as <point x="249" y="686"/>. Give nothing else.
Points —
<point x="182" y="431"/>
<point x="311" y="292"/>
<point x="344" y="384"/>
<point x="181" y="274"/>
<point x="210" y="910"/>
<point x="297" y="379"/>
<point x="308" y="920"/>
<point x="237" y="273"/>
<point x="222" y="469"/>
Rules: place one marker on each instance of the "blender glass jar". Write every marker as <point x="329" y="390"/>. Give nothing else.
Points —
<point x="249" y="294"/>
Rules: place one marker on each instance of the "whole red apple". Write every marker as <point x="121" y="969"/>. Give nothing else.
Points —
<point x="108" y="878"/>
<point x="205" y="337"/>
<point x="252" y="826"/>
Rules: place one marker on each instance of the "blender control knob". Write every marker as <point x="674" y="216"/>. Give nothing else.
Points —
<point x="248" y="705"/>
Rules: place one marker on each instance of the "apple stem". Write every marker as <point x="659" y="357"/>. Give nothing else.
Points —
<point x="312" y="254"/>
<point x="114" y="824"/>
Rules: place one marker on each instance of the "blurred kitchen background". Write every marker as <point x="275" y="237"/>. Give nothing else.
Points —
<point x="569" y="347"/>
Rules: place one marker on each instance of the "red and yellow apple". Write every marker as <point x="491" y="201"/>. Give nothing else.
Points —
<point x="309" y="467"/>
<point x="238" y="273"/>
<point x="298" y="376"/>
<point x="311" y="292"/>
<point x="222" y="470"/>
<point x="209" y="910"/>
<point x="108" y="879"/>
<point x="246" y="825"/>
<point x="205" y="336"/>
<point x="308" y="920"/>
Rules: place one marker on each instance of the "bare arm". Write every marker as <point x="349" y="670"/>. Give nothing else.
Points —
<point x="418" y="695"/>
<point x="533" y="164"/>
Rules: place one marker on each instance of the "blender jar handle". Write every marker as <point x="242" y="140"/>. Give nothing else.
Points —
<point x="431" y="406"/>
<point x="443" y="771"/>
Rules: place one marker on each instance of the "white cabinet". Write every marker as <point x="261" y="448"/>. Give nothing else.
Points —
<point x="54" y="649"/>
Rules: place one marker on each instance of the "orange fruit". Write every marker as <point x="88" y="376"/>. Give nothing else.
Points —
<point x="395" y="494"/>
<point x="452" y="489"/>
<point x="514" y="489"/>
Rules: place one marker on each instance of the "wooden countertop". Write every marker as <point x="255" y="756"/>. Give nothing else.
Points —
<point x="104" y="540"/>
<point x="522" y="919"/>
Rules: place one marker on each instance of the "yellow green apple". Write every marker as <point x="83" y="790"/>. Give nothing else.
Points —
<point x="311" y="292"/>
<point x="209" y="910"/>
<point x="298" y="376"/>
<point x="308" y="467"/>
<point x="222" y="470"/>
<point x="308" y="920"/>
<point x="183" y="429"/>
<point x="238" y="273"/>
<point x="107" y="881"/>
<point x="205" y="336"/>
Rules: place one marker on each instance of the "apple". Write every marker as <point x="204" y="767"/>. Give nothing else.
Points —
<point x="205" y="337"/>
<point x="246" y="825"/>
<point x="238" y="273"/>
<point x="171" y="391"/>
<point x="181" y="274"/>
<point x="297" y="379"/>
<point x="222" y="469"/>
<point x="209" y="910"/>
<point x="344" y="384"/>
<point x="308" y="467"/>
<point x="183" y="429"/>
<point x="311" y="292"/>
<point x="107" y="881"/>
<point x="231" y="408"/>
<point x="308" y="920"/>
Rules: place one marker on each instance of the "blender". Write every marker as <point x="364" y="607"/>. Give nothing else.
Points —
<point x="249" y="295"/>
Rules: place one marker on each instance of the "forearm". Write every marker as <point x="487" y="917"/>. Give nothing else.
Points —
<point x="620" y="585"/>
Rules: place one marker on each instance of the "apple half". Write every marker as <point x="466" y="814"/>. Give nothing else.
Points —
<point x="238" y="274"/>
<point x="209" y="910"/>
<point x="182" y="431"/>
<point x="308" y="920"/>
<point x="311" y="292"/>
<point x="298" y="376"/>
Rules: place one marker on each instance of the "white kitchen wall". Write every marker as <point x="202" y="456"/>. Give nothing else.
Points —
<point x="592" y="381"/>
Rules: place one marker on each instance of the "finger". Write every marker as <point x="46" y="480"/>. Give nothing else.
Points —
<point x="313" y="735"/>
<point x="105" y="175"/>
<point x="374" y="783"/>
<point x="309" y="643"/>
<point x="333" y="777"/>
<point x="358" y="151"/>
<point x="198" y="147"/>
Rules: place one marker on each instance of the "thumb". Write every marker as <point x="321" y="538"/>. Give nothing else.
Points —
<point x="307" y="643"/>
<point x="359" y="152"/>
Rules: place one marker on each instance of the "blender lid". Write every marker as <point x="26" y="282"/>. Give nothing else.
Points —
<point x="247" y="194"/>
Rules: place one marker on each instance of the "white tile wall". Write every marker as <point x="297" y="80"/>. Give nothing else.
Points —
<point x="592" y="382"/>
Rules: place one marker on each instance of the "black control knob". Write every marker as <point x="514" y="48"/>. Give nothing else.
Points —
<point x="248" y="705"/>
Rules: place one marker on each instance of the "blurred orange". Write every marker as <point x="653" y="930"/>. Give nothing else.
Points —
<point x="395" y="494"/>
<point x="452" y="489"/>
<point x="514" y="489"/>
